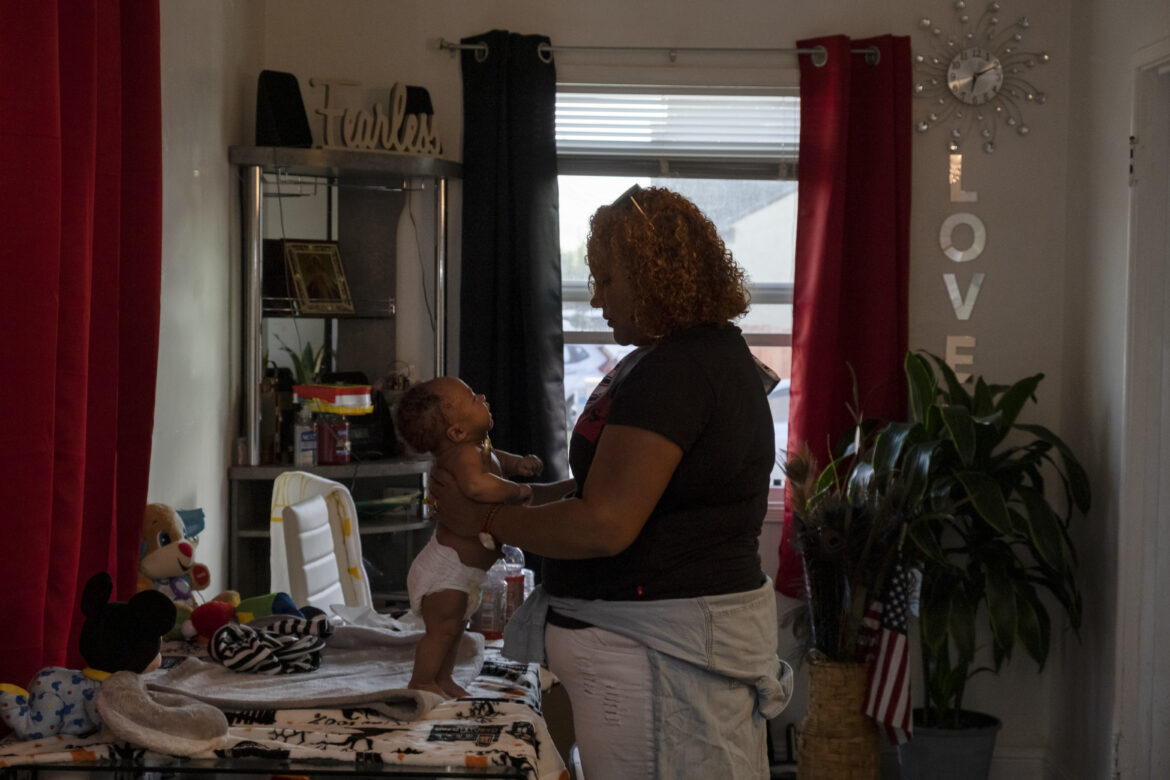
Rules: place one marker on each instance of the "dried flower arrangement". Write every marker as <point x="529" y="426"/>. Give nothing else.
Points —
<point x="851" y="518"/>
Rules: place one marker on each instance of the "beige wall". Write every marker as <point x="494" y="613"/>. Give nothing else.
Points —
<point x="1054" y="265"/>
<point x="211" y="53"/>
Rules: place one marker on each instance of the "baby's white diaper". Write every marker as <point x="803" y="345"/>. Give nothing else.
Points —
<point x="437" y="567"/>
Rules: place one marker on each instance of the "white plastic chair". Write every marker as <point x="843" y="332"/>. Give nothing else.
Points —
<point x="316" y="556"/>
<point x="313" y="571"/>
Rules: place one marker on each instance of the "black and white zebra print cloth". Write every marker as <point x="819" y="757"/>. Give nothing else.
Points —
<point x="289" y="645"/>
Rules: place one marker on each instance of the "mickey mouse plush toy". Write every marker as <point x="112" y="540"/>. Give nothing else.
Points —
<point x="116" y="636"/>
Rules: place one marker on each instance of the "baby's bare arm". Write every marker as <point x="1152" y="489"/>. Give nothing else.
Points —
<point x="466" y="463"/>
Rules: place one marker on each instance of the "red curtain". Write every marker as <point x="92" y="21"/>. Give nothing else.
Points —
<point x="81" y="177"/>
<point x="852" y="249"/>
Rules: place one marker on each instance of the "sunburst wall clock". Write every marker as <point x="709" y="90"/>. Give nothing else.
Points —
<point x="974" y="77"/>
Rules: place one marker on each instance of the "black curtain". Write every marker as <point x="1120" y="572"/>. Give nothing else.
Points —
<point x="511" y="340"/>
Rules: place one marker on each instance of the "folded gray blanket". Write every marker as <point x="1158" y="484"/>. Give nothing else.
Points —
<point x="164" y="722"/>
<point x="360" y="666"/>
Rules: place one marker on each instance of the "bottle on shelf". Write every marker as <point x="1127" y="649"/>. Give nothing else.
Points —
<point x="304" y="439"/>
<point x="332" y="439"/>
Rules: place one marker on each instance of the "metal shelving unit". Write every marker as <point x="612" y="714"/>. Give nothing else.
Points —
<point x="340" y="168"/>
<point x="251" y="482"/>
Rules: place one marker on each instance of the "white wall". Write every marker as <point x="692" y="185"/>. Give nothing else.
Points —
<point x="1051" y="302"/>
<point x="211" y="53"/>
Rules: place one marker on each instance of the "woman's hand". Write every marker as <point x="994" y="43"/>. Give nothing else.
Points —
<point x="546" y="492"/>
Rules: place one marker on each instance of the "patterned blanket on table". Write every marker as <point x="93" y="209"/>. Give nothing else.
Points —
<point x="499" y="724"/>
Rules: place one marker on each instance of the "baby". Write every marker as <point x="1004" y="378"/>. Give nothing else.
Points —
<point x="448" y="419"/>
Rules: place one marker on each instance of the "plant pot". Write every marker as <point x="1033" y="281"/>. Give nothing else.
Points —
<point x="837" y="740"/>
<point x="950" y="754"/>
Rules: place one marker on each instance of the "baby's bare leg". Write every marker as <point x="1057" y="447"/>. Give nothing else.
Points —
<point x="446" y="680"/>
<point x="443" y="613"/>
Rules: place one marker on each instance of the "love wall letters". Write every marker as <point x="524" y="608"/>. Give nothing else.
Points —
<point x="960" y="349"/>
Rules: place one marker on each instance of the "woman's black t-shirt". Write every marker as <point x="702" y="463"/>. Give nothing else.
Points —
<point x="702" y="390"/>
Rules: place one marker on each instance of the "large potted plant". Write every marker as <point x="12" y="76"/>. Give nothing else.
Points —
<point x="1004" y="493"/>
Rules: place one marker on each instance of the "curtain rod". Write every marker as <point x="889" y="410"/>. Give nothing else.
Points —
<point x="818" y="53"/>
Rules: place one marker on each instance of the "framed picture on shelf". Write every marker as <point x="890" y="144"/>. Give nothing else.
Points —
<point x="318" y="277"/>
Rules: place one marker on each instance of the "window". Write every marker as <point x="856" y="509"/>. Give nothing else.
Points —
<point x="734" y="155"/>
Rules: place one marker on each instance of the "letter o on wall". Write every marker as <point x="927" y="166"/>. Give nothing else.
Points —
<point x="946" y="232"/>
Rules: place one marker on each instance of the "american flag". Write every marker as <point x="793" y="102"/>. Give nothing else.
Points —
<point x="888" y="697"/>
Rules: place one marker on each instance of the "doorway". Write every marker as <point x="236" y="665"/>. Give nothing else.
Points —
<point x="1143" y="695"/>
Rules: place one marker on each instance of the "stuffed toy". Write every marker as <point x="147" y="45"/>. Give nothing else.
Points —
<point x="264" y="606"/>
<point x="116" y="636"/>
<point x="167" y="561"/>
<point x="207" y="618"/>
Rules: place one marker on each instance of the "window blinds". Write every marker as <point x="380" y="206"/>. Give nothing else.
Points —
<point x="678" y="133"/>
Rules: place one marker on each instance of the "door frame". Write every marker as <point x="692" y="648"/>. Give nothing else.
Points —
<point x="1142" y="693"/>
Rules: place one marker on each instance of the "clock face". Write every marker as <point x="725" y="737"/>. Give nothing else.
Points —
<point x="975" y="76"/>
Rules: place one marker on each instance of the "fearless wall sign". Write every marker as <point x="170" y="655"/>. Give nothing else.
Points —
<point x="405" y="124"/>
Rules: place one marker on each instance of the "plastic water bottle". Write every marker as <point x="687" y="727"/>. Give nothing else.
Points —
<point x="503" y="593"/>
<point x="490" y="617"/>
<point x="513" y="579"/>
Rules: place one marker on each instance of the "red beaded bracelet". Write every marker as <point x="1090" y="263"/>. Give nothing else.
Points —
<point x="485" y="531"/>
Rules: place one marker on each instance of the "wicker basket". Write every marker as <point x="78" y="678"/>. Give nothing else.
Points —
<point x="837" y="740"/>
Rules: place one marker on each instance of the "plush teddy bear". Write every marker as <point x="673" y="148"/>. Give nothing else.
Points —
<point x="116" y="636"/>
<point x="167" y="561"/>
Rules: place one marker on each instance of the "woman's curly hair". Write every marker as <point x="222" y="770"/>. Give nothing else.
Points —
<point x="681" y="272"/>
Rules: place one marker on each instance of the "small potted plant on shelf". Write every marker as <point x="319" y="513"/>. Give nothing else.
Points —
<point x="994" y="545"/>
<point x="306" y="364"/>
